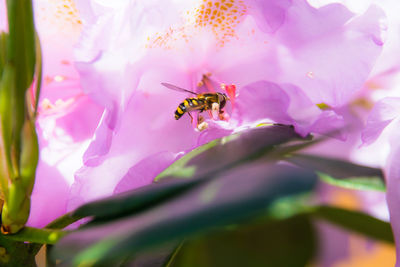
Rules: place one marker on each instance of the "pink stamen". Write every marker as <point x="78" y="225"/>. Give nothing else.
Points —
<point x="60" y="106"/>
<point x="231" y="91"/>
<point x="208" y="84"/>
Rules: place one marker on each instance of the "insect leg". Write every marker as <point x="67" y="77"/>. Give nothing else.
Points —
<point x="191" y="117"/>
<point x="221" y="115"/>
<point x="200" y="118"/>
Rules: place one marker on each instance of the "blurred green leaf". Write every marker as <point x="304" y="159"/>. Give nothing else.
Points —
<point x="358" y="183"/>
<point x="179" y="169"/>
<point x="290" y="206"/>
<point x="341" y="173"/>
<point x="215" y="156"/>
<point x="230" y="151"/>
<point x="63" y="221"/>
<point x="290" y="242"/>
<point x="154" y="258"/>
<point x="356" y="221"/>
<point x="228" y="197"/>
<point x="136" y="200"/>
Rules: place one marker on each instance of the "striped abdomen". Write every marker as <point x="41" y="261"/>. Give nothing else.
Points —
<point x="188" y="105"/>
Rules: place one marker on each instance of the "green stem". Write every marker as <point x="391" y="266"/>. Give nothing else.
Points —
<point x="38" y="73"/>
<point x="36" y="235"/>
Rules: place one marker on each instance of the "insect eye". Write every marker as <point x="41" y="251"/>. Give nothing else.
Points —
<point x="222" y="100"/>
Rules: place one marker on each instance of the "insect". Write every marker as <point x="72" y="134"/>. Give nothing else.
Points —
<point x="200" y="102"/>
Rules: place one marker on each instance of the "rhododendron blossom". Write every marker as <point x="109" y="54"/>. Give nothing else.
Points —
<point x="289" y="62"/>
<point x="66" y="116"/>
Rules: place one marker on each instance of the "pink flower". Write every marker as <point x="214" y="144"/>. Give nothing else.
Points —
<point x="3" y="18"/>
<point x="380" y="136"/>
<point x="283" y="56"/>
<point x="384" y="122"/>
<point x="66" y="119"/>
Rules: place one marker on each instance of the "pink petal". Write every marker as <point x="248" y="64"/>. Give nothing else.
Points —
<point x="62" y="137"/>
<point x="383" y="113"/>
<point x="81" y="120"/>
<point x="327" y="52"/>
<point x="392" y="172"/>
<point x="147" y="127"/>
<point x="269" y="14"/>
<point x="286" y="104"/>
<point x="144" y="172"/>
<point x="262" y="100"/>
<point x="100" y="143"/>
<point x="49" y="196"/>
<point x="3" y="16"/>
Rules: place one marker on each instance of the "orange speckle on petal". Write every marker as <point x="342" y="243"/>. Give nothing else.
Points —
<point x="221" y="17"/>
<point x="61" y="15"/>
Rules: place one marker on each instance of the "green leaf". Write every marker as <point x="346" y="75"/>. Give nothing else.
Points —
<point x="63" y="221"/>
<point x="341" y="173"/>
<point x="290" y="242"/>
<point x="179" y="169"/>
<point x="230" y="151"/>
<point x="136" y="200"/>
<point x="226" y="198"/>
<point x="290" y="206"/>
<point x="356" y="221"/>
<point x="200" y="163"/>
<point x="374" y="183"/>
<point x="160" y="257"/>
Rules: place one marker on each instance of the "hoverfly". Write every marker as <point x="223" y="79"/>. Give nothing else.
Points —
<point x="200" y="102"/>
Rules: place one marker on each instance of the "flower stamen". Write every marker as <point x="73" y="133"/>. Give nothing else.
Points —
<point x="215" y="111"/>
<point x="202" y="126"/>
<point x="231" y="91"/>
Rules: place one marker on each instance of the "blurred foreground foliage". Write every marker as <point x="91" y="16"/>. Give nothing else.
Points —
<point x="250" y="198"/>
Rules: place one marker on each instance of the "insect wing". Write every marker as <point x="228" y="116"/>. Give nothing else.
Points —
<point x="176" y="88"/>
